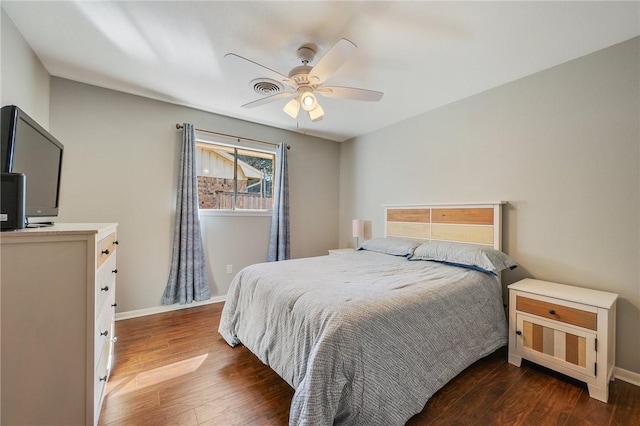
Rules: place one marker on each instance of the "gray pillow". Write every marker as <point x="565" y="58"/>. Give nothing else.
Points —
<point x="471" y="256"/>
<point x="393" y="246"/>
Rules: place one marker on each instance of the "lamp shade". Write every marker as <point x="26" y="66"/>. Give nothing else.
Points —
<point x="317" y="113"/>
<point x="358" y="228"/>
<point x="292" y="107"/>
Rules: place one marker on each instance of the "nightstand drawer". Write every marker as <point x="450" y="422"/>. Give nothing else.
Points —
<point x="557" y="312"/>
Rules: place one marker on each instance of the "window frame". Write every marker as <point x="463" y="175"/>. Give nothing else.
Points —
<point x="236" y="145"/>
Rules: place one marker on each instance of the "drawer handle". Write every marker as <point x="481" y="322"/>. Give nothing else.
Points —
<point x="105" y="333"/>
<point x="114" y="339"/>
<point x="105" y="288"/>
<point x="105" y="251"/>
<point x="103" y="379"/>
<point x="115" y="271"/>
<point x="116" y="242"/>
<point x="519" y="333"/>
<point x="113" y="305"/>
<point x="552" y="312"/>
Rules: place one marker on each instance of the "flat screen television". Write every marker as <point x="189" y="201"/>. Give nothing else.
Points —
<point x="28" y="148"/>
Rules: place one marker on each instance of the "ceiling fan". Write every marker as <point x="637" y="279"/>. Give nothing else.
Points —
<point x="305" y="80"/>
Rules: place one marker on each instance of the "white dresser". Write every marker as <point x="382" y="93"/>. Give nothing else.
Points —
<point x="57" y="322"/>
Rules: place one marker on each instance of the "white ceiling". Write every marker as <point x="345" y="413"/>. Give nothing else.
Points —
<point x="422" y="55"/>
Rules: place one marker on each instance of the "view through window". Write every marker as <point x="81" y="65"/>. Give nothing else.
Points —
<point x="234" y="178"/>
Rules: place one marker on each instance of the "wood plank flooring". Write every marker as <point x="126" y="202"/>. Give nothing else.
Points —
<point x="175" y="369"/>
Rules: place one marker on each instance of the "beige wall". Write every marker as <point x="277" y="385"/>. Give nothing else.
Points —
<point x="561" y="146"/>
<point x="25" y="81"/>
<point x="118" y="149"/>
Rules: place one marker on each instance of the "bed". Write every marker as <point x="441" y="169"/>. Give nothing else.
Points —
<point x="366" y="338"/>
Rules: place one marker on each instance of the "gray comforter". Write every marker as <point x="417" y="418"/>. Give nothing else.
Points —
<point x="363" y="338"/>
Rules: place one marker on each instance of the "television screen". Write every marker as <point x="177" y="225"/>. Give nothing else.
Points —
<point x="28" y="148"/>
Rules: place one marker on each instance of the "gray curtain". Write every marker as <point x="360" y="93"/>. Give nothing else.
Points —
<point x="279" y="237"/>
<point x="188" y="280"/>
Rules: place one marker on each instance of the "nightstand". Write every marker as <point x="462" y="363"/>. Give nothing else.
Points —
<point x="565" y="328"/>
<point x="341" y="251"/>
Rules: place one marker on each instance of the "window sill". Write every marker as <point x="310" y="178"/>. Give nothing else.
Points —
<point x="235" y="213"/>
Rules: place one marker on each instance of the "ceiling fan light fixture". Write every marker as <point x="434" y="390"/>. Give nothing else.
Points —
<point x="292" y="107"/>
<point x="308" y="101"/>
<point x="317" y="113"/>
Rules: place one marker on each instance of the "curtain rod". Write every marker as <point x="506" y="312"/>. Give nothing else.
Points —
<point x="180" y="126"/>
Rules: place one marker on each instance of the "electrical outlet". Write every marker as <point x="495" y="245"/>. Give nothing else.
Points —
<point x="229" y="269"/>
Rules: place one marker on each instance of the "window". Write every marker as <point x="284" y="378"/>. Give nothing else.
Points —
<point x="234" y="177"/>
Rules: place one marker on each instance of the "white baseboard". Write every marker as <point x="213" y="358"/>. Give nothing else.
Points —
<point x="166" y="308"/>
<point x="627" y="376"/>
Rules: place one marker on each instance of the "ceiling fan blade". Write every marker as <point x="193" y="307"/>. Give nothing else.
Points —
<point x="350" y="93"/>
<point x="269" y="99"/>
<point x="271" y="73"/>
<point x="331" y="61"/>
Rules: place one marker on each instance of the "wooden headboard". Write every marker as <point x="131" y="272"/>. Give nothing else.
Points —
<point x="479" y="223"/>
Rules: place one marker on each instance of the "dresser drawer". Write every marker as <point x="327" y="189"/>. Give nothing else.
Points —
<point x="106" y="247"/>
<point x="100" y="377"/>
<point x="106" y="285"/>
<point x="105" y="326"/>
<point x="557" y="312"/>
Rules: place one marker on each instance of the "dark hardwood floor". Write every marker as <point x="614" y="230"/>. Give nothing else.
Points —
<point x="175" y="369"/>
